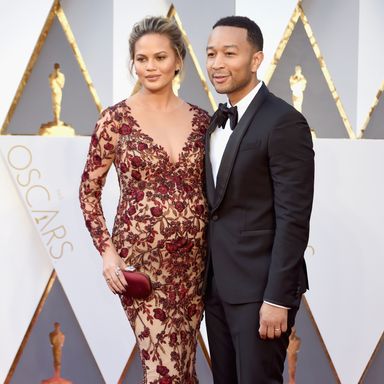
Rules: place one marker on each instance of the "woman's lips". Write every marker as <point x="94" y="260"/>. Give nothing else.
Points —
<point x="152" y="77"/>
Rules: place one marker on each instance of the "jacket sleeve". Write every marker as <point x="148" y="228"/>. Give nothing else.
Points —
<point x="291" y="161"/>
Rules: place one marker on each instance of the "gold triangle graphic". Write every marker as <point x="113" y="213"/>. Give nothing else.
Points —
<point x="172" y="13"/>
<point x="299" y="13"/>
<point x="35" y="316"/>
<point x="200" y="341"/>
<point x="55" y="11"/>
<point x="128" y="365"/>
<point x="333" y="369"/>
<point x="372" y="109"/>
<point x="375" y="352"/>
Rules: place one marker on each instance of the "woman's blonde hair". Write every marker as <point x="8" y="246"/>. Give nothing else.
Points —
<point x="160" y="25"/>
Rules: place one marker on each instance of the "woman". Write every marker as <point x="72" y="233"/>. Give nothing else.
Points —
<point x="155" y="141"/>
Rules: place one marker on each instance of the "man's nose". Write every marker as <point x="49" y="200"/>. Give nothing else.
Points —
<point x="217" y="62"/>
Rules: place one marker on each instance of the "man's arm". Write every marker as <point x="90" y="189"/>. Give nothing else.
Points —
<point x="292" y="171"/>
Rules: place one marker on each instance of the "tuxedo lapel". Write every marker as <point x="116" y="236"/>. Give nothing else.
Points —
<point x="233" y="145"/>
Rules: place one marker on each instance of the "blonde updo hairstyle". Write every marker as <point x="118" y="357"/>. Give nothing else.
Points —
<point x="159" y="25"/>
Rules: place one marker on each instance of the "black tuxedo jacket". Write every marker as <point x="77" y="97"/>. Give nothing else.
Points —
<point x="260" y="209"/>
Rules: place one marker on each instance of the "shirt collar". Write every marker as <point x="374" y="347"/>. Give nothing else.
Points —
<point x="243" y="104"/>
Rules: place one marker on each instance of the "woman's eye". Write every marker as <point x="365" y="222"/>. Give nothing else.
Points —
<point x="140" y="59"/>
<point x="161" y="58"/>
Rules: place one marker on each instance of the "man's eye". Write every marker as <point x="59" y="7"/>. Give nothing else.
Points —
<point x="230" y="53"/>
<point x="210" y="54"/>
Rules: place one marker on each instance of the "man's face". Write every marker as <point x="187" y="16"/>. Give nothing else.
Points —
<point x="232" y="62"/>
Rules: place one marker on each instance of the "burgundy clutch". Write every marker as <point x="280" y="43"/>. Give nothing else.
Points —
<point x="139" y="284"/>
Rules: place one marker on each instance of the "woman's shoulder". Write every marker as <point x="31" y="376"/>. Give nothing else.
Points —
<point x="118" y="113"/>
<point x="198" y="109"/>
<point x="120" y="107"/>
<point x="201" y="117"/>
<point x="114" y="119"/>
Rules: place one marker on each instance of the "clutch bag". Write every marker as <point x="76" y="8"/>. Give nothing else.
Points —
<point x="139" y="284"/>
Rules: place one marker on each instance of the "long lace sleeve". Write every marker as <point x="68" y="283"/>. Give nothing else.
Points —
<point x="100" y="157"/>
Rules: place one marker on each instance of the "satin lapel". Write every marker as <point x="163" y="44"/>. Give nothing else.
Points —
<point x="233" y="145"/>
<point x="210" y="186"/>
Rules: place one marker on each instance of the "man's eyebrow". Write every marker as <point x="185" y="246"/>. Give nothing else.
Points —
<point x="225" y="46"/>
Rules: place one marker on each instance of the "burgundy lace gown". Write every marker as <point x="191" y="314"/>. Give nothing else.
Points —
<point x="159" y="228"/>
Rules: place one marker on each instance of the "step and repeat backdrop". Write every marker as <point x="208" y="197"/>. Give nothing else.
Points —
<point x="324" y="57"/>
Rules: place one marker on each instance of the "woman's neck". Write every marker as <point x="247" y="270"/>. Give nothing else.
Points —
<point x="162" y="101"/>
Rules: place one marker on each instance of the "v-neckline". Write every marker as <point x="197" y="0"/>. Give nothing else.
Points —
<point x="161" y="147"/>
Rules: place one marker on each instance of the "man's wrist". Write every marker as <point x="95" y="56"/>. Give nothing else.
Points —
<point x="276" y="305"/>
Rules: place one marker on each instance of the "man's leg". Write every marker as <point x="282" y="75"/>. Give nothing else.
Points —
<point x="258" y="361"/>
<point x="219" y="337"/>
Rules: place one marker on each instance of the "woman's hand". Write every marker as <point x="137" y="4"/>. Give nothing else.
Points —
<point x="112" y="266"/>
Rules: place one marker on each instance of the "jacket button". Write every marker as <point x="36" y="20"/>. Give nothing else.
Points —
<point x="215" y="217"/>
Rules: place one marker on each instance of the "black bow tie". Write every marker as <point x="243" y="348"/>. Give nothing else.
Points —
<point x="224" y="113"/>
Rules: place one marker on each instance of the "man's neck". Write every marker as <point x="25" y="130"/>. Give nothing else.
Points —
<point x="235" y="97"/>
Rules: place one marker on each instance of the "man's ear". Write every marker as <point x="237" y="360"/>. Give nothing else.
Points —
<point x="257" y="59"/>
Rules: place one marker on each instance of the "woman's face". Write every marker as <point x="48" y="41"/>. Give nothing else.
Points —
<point x="155" y="61"/>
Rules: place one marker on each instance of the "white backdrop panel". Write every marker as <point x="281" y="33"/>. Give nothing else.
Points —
<point x="24" y="272"/>
<point x="49" y="190"/>
<point x="346" y="269"/>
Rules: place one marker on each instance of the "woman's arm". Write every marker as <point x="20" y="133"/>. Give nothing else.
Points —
<point x="100" y="157"/>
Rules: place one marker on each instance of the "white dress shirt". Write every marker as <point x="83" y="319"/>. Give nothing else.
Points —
<point x="220" y="136"/>
<point x="219" y="139"/>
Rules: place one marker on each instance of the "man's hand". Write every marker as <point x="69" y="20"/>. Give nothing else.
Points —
<point x="273" y="321"/>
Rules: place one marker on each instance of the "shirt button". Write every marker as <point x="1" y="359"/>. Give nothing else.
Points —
<point x="215" y="217"/>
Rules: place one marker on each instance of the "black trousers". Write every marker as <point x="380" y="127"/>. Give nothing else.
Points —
<point x="238" y="354"/>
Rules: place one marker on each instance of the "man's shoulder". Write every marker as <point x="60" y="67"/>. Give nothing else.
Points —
<point x="280" y="107"/>
<point x="277" y="101"/>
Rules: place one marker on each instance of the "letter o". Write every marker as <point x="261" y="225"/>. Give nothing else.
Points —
<point x="12" y="161"/>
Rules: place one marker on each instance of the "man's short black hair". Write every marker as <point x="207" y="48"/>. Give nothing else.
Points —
<point x="254" y="35"/>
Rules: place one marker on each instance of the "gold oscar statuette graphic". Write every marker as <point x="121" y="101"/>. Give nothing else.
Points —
<point x="56" y="127"/>
<point x="292" y="351"/>
<point x="57" y="339"/>
<point x="298" y="83"/>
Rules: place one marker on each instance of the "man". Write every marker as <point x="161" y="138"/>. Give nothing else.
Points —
<point x="260" y="190"/>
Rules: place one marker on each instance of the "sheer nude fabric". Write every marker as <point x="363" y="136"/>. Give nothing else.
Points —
<point x="159" y="228"/>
